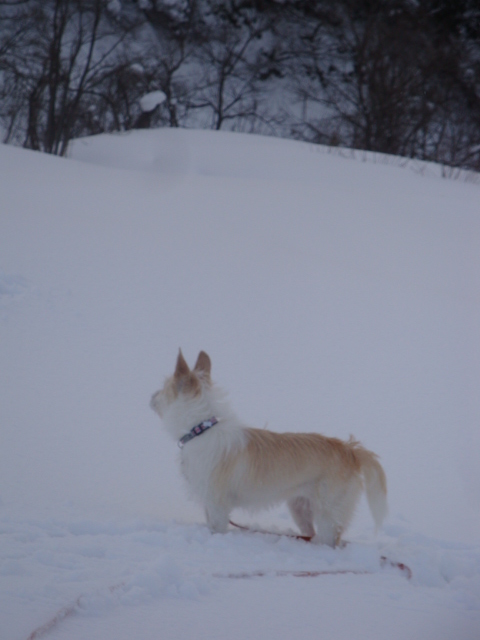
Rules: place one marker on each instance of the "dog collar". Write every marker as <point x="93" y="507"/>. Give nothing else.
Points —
<point x="197" y="431"/>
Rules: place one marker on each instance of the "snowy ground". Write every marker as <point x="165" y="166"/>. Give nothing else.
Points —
<point x="332" y="295"/>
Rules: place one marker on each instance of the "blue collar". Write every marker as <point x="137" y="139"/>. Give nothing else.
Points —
<point x="197" y="431"/>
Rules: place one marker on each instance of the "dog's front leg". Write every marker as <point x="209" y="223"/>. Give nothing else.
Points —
<point x="217" y="517"/>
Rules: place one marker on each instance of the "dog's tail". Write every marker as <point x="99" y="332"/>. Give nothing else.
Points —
<point x="375" y="484"/>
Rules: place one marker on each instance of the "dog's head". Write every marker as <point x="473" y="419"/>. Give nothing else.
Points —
<point x="181" y="400"/>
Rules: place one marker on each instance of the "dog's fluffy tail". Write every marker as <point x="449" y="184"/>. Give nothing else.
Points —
<point x="375" y="484"/>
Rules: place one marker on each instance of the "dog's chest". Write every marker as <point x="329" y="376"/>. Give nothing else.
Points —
<point x="198" y="463"/>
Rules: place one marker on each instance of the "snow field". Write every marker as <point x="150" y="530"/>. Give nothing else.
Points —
<point x="332" y="295"/>
<point x="97" y="568"/>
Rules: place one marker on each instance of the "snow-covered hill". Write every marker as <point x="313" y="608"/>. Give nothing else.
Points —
<point x="332" y="295"/>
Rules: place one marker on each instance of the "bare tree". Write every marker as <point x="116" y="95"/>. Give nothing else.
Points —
<point x="231" y="54"/>
<point x="380" y="76"/>
<point x="168" y="57"/>
<point x="68" y="48"/>
<point x="13" y="37"/>
<point x="209" y="56"/>
<point x="361" y="80"/>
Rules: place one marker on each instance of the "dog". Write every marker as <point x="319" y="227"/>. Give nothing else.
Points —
<point x="228" y="464"/>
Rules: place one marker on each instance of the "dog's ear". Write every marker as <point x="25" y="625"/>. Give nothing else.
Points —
<point x="203" y="364"/>
<point x="185" y="380"/>
<point x="181" y="369"/>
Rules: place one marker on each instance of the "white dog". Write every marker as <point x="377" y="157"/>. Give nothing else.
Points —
<point x="228" y="464"/>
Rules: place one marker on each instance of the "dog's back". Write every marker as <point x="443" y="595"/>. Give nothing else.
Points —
<point x="320" y="478"/>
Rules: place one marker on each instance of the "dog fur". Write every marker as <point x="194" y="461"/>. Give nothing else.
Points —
<point x="232" y="465"/>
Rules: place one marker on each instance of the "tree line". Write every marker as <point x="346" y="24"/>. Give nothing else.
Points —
<point x="394" y="76"/>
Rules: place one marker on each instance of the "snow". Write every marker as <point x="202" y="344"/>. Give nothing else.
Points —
<point x="332" y="295"/>
<point x="115" y="6"/>
<point x="149" y="101"/>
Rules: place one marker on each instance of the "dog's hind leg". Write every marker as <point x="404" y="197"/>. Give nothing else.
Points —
<point x="334" y="511"/>
<point x="302" y="514"/>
